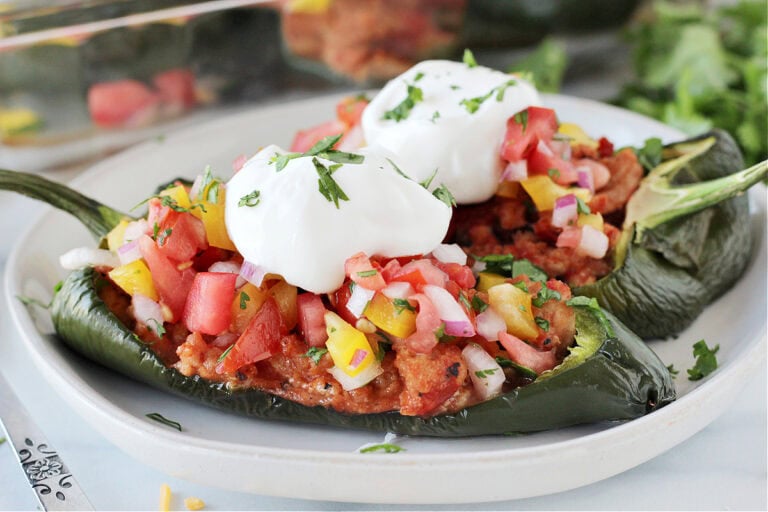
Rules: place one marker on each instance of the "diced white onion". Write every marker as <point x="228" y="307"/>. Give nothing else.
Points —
<point x="88" y="257"/>
<point x="148" y="312"/>
<point x="515" y="171"/>
<point x="135" y="229"/>
<point x="566" y="211"/>
<point x="489" y="323"/>
<point x="359" y="300"/>
<point x="252" y="273"/>
<point x="195" y="189"/>
<point x="224" y="340"/>
<point x="486" y="374"/>
<point x="457" y="322"/>
<point x="593" y="243"/>
<point x="228" y="267"/>
<point x="450" y="253"/>
<point x="361" y="379"/>
<point x="398" y="290"/>
<point x="129" y="252"/>
<point x="561" y="148"/>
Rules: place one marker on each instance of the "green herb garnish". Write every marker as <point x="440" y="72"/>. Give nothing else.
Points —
<point x="327" y="185"/>
<point x="225" y="353"/>
<point x="473" y="104"/>
<point x="479" y="304"/>
<point x="251" y="199"/>
<point x="672" y="371"/>
<point x="469" y="58"/>
<point x="403" y="109"/>
<point x="402" y="305"/>
<point x="553" y="173"/>
<point x="165" y="421"/>
<point x="367" y="273"/>
<point x="484" y="373"/>
<point x="323" y="149"/>
<point x="509" y="266"/>
<point x="443" y="194"/>
<point x="542" y="323"/>
<point x="522" y="118"/>
<point x="156" y="326"/>
<point x="706" y="362"/>
<point x="384" y="447"/>
<point x="582" y="207"/>
<point x="244" y="298"/>
<point x="649" y="155"/>
<point x="544" y="295"/>
<point x="508" y="363"/>
<point x="316" y="353"/>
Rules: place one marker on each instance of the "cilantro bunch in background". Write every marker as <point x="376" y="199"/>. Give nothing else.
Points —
<point x="698" y="68"/>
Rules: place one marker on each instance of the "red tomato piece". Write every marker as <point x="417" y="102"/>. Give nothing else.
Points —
<point x="427" y="323"/>
<point x="305" y="139"/>
<point x="172" y="284"/>
<point x="460" y="274"/>
<point x="339" y="300"/>
<point x="181" y="236"/>
<point x="350" y="110"/>
<point x="259" y="341"/>
<point x="525" y="355"/>
<point x="312" y="319"/>
<point x="121" y="103"/>
<point x="543" y="161"/>
<point x="360" y="270"/>
<point x="208" y="257"/>
<point x="570" y="237"/>
<point x="176" y="88"/>
<point x="421" y="272"/>
<point x="208" y="309"/>
<point x="525" y="129"/>
<point x="604" y="147"/>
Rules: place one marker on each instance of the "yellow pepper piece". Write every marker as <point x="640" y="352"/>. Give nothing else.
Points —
<point x="134" y="277"/>
<point x="165" y="498"/>
<point x="215" y="229"/>
<point x="285" y="295"/>
<point x="486" y="280"/>
<point x="179" y="196"/>
<point x="193" y="503"/>
<point x="309" y="6"/>
<point x="116" y="237"/>
<point x="344" y="342"/>
<point x="543" y="191"/>
<point x="593" y="219"/>
<point x="252" y="298"/>
<point x="17" y="121"/>
<point x="514" y="306"/>
<point x="577" y="135"/>
<point x="397" y="320"/>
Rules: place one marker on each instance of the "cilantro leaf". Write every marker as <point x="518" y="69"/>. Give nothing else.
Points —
<point x="403" y="109"/>
<point x="316" y="353"/>
<point x="469" y="58"/>
<point x="706" y="361"/>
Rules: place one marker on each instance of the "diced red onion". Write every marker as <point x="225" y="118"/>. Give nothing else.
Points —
<point x="358" y="357"/>
<point x="148" y="312"/>
<point x="457" y="323"/>
<point x="88" y="257"/>
<point x="486" y="374"/>
<point x="515" y="171"/>
<point x="135" y="229"/>
<point x="129" y="252"/>
<point x="565" y="212"/>
<point x="368" y="373"/>
<point x="570" y="237"/>
<point x="561" y="148"/>
<point x="489" y="323"/>
<point x="585" y="178"/>
<point x="252" y="273"/>
<point x="600" y="173"/>
<point x="228" y="267"/>
<point x="359" y="300"/>
<point x="450" y="253"/>
<point x="593" y="243"/>
<point x="224" y="340"/>
<point x="353" y="139"/>
<point x="398" y="290"/>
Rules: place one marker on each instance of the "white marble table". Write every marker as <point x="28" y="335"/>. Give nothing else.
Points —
<point x="721" y="467"/>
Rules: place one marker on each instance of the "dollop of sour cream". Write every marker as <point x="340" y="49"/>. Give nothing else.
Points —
<point x="293" y="230"/>
<point x="457" y="127"/>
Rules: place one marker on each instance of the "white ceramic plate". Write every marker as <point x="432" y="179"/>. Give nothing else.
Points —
<point x="311" y="462"/>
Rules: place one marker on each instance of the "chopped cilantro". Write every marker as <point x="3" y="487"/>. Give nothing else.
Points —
<point x="509" y="266"/>
<point x="544" y="295"/>
<point x="484" y="373"/>
<point x="156" y="326"/>
<point x="244" y="298"/>
<point x="580" y="300"/>
<point x="649" y="155"/>
<point x="251" y="199"/>
<point x="464" y="301"/>
<point x="163" y="237"/>
<point x="440" y="331"/>
<point x="542" y="323"/>
<point x="418" y="76"/>
<point x="383" y="447"/>
<point x="706" y="362"/>
<point x="582" y="207"/>
<point x="508" y="363"/>
<point x="443" y="194"/>
<point x="522" y="118"/>
<point x="427" y="182"/>
<point x="479" y="304"/>
<point x="327" y="185"/>
<point x="323" y="149"/>
<point x="469" y="58"/>
<point x="473" y="104"/>
<point x="435" y="116"/>
<point x="553" y="173"/>
<point x="316" y="353"/>
<point x="397" y="169"/>
<point x="403" y="109"/>
<point x="672" y="371"/>
<point x="225" y="353"/>
<point x="402" y="305"/>
<point x="368" y="273"/>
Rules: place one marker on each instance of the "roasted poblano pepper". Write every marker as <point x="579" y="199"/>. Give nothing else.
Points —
<point x="686" y="237"/>
<point x="609" y="375"/>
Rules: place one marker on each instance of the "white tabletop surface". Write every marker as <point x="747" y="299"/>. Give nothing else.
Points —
<point x="723" y="467"/>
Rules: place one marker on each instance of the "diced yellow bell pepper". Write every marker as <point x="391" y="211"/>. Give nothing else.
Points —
<point x="134" y="277"/>
<point x="543" y="191"/>
<point x="343" y="344"/>
<point x="514" y="306"/>
<point x="215" y="229"/>
<point x="395" y="320"/>
<point x="582" y="193"/>
<point x="577" y="135"/>
<point x="309" y="6"/>
<point x="179" y="195"/>
<point x="18" y="121"/>
<point x="252" y="300"/>
<point x="116" y="237"/>
<point x="486" y="280"/>
<point x="593" y="219"/>
<point x="285" y="295"/>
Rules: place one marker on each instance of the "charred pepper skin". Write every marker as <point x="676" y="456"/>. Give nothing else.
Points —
<point x="622" y="380"/>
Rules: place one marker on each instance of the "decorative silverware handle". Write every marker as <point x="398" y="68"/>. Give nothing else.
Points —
<point x="54" y="485"/>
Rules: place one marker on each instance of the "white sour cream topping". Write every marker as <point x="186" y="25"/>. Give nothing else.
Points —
<point x="439" y="133"/>
<point x="296" y="232"/>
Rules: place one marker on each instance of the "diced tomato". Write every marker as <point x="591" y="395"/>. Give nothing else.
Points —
<point x="460" y="274"/>
<point x="360" y="270"/>
<point x="176" y="88"/>
<point x="208" y="308"/>
<point x="339" y="300"/>
<point x="570" y="237"/>
<point x="208" y="257"/>
<point x="122" y="102"/>
<point x="181" y="236"/>
<point x="427" y="323"/>
<point x="260" y="340"/>
<point x="525" y="355"/>
<point x="420" y="273"/>
<point x="525" y="129"/>
<point x="311" y="319"/>
<point x="172" y="284"/>
<point x="390" y="269"/>
<point x="305" y="139"/>
<point x="542" y="160"/>
<point x="350" y="110"/>
<point x="604" y="147"/>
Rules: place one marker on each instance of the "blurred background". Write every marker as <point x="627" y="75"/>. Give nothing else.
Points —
<point x="81" y="79"/>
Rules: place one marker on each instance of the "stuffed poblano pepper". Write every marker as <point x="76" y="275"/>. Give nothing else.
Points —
<point x="407" y="344"/>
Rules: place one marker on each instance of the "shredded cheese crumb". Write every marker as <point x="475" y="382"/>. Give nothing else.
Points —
<point x="165" y="498"/>
<point x="193" y="503"/>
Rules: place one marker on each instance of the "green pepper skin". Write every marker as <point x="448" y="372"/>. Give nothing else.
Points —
<point x="681" y="266"/>
<point x="622" y="380"/>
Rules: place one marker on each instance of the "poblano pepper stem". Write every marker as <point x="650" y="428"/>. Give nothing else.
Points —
<point x="98" y="218"/>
